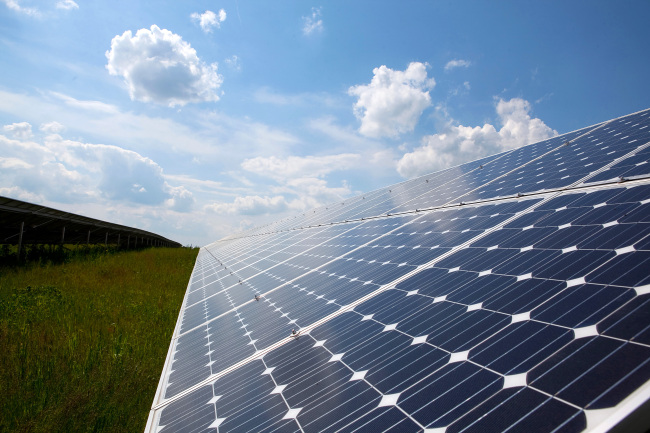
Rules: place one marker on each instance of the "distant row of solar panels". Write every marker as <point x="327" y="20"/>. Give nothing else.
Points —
<point x="509" y="294"/>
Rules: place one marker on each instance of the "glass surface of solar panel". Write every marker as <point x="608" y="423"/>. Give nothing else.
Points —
<point x="525" y="313"/>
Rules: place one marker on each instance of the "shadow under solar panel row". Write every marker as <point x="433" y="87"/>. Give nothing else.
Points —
<point x="511" y="314"/>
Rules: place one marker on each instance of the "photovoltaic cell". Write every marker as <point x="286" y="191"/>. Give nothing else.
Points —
<point x="507" y="294"/>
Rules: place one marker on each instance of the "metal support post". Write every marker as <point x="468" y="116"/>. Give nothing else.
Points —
<point x="20" y="238"/>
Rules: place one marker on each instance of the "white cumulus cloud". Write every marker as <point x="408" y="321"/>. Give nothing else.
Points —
<point x="251" y="205"/>
<point x="457" y="63"/>
<point x="70" y="171"/>
<point x="16" y="6"/>
<point x="208" y="20"/>
<point x="299" y="166"/>
<point x="393" y="101"/>
<point x="312" y="23"/>
<point x="299" y="184"/>
<point x="182" y="200"/>
<point x="313" y="192"/>
<point x="158" y="66"/>
<point x="21" y="130"/>
<point x="52" y="127"/>
<point x="458" y="144"/>
<point x="67" y="5"/>
<point x="234" y="62"/>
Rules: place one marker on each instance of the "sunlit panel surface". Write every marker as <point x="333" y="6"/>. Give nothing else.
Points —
<point x="506" y="294"/>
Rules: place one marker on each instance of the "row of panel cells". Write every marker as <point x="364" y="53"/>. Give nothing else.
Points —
<point x="458" y="181"/>
<point x="511" y="351"/>
<point x="411" y="255"/>
<point x="309" y="260"/>
<point x="205" y="310"/>
<point x="554" y="358"/>
<point x="389" y="199"/>
<point x="311" y="298"/>
<point x="268" y="322"/>
<point x="490" y="277"/>
<point x="433" y="183"/>
<point x="592" y="271"/>
<point x="211" y="287"/>
<point x="265" y="323"/>
<point x="571" y="163"/>
<point x="461" y="186"/>
<point x="636" y="165"/>
<point x="298" y="305"/>
<point x="548" y="301"/>
<point x="420" y="379"/>
<point x="549" y="172"/>
<point x="582" y="214"/>
<point x="465" y="180"/>
<point x="437" y="232"/>
<point x="317" y="295"/>
<point x="372" y="204"/>
<point x="253" y="246"/>
<point x="378" y="273"/>
<point x="241" y="401"/>
<point x="328" y="400"/>
<point x="207" y="350"/>
<point x="340" y="290"/>
<point x="274" y="277"/>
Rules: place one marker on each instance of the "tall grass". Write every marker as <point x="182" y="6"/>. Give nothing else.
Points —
<point x="82" y="344"/>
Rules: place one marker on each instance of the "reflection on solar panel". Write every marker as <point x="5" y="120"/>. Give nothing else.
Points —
<point x="507" y="294"/>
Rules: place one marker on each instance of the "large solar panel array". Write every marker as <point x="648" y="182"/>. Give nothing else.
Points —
<point x="506" y="294"/>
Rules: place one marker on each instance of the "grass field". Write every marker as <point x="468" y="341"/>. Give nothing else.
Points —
<point x="82" y="344"/>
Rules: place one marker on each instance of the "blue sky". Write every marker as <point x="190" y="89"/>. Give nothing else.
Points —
<point x="195" y="119"/>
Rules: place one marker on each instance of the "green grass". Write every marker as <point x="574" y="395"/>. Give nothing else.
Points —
<point x="82" y="344"/>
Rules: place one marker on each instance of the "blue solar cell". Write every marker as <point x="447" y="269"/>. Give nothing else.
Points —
<point x="528" y="261"/>
<point x="573" y="264"/>
<point x="593" y="372"/>
<point x="190" y="363"/>
<point x="485" y="287"/>
<point x="629" y="270"/>
<point x="521" y="410"/>
<point x="630" y="322"/>
<point x="467" y="330"/>
<point x="582" y="305"/>
<point x="399" y="307"/>
<point x="176" y="416"/>
<point x="520" y="347"/>
<point x="578" y="236"/>
<point x="449" y="393"/>
<point x="386" y="420"/>
<point x="523" y="296"/>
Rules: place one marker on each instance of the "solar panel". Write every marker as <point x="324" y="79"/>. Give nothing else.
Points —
<point x="508" y="294"/>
